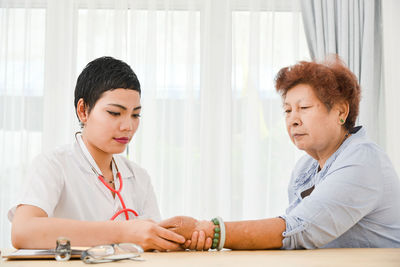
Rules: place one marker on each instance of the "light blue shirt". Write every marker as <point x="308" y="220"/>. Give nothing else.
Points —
<point x="355" y="202"/>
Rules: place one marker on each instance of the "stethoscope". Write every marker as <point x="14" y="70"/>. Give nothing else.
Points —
<point x="117" y="192"/>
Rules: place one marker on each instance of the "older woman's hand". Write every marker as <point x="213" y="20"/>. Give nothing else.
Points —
<point x="198" y="234"/>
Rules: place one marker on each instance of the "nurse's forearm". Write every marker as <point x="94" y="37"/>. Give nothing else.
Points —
<point x="257" y="234"/>
<point x="42" y="232"/>
<point x="31" y="228"/>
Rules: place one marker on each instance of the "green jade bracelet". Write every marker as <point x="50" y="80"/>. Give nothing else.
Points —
<point x="219" y="234"/>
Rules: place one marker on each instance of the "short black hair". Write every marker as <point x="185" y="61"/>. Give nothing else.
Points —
<point x="101" y="75"/>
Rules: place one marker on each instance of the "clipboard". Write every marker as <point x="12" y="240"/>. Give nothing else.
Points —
<point x="16" y="254"/>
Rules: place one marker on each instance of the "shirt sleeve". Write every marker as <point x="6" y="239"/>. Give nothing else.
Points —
<point x="43" y="185"/>
<point x="150" y="204"/>
<point x="348" y="193"/>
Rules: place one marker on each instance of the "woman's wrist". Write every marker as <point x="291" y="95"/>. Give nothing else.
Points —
<point x="206" y="226"/>
<point x="117" y="229"/>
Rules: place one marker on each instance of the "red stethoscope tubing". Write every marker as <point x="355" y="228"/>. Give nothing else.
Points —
<point x="118" y="193"/>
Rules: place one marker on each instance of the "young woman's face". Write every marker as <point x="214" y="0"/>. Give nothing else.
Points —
<point x="113" y="121"/>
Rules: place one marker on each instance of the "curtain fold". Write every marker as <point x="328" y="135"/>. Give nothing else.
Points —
<point x="351" y="29"/>
<point x="59" y="119"/>
<point x="21" y="103"/>
<point x="215" y="108"/>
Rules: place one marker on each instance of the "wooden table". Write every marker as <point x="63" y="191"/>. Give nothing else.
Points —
<point x="318" y="257"/>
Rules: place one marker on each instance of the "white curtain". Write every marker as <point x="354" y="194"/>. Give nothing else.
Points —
<point x="212" y="133"/>
<point x="353" y="30"/>
<point x="391" y="67"/>
<point x="22" y="54"/>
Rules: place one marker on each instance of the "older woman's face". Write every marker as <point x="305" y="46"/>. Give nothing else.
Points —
<point x="310" y="125"/>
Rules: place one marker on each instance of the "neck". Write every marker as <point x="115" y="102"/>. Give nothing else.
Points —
<point x="102" y="159"/>
<point x="323" y="156"/>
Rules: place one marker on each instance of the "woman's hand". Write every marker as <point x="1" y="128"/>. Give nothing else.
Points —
<point x="198" y="241"/>
<point x="198" y="234"/>
<point x="150" y="235"/>
<point x="182" y="225"/>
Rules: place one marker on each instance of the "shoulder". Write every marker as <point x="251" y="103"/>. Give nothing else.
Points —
<point x="53" y="159"/>
<point x="362" y="162"/>
<point x="362" y="151"/>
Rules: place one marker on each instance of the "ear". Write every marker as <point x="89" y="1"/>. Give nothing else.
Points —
<point x="342" y="109"/>
<point x="82" y="111"/>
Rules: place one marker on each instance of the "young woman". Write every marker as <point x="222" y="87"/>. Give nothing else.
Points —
<point x="84" y="191"/>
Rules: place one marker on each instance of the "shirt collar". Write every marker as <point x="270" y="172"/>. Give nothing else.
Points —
<point x="87" y="158"/>
<point x="356" y="133"/>
<point x="123" y="167"/>
<point x="304" y="179"/>
<point x="86" y="154"/>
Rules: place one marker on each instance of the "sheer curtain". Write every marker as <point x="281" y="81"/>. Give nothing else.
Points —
<point x="22" y="49"/>
<point x="391" y="54"/>
<point x="212" y="134"/>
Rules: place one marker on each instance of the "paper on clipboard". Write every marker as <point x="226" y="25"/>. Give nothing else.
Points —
<point x="37" y="253"/>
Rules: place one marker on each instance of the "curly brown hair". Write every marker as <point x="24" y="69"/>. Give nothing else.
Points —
<point x="331" y="81"/>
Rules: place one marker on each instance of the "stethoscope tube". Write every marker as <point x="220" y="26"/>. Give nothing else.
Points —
<point x="117" y="192"/>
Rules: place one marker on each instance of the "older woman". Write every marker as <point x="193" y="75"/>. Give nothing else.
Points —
<point x="343" y="193"/>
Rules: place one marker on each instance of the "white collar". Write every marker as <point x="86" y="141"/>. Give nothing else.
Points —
<point x="123" y="169"/>
<point x="86" y="153"/>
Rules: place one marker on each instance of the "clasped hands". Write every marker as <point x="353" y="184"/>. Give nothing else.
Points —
<point x="198" y="234"/>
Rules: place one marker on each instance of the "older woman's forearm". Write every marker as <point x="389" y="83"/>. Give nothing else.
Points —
<point x="257" y="234"/>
